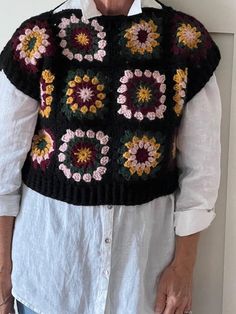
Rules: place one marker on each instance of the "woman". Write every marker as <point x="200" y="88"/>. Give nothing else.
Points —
<point x="122" y="237"/>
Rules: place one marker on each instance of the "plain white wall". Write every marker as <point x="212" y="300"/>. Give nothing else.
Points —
<point x="14" y="12"/>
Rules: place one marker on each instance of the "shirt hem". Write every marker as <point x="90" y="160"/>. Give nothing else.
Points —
<point x="29" y="305"/>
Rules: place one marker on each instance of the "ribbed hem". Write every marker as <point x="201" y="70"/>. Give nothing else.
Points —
<point x="115" y="193"/>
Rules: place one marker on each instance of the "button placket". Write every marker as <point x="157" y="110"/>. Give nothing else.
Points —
<point x="106" y="257"/>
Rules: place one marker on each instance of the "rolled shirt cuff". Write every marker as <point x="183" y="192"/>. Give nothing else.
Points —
<point x="191" y="221"/>
<point x="9" y="205"/>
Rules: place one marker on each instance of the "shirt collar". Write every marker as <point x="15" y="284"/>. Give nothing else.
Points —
<point x="89" y="9"/>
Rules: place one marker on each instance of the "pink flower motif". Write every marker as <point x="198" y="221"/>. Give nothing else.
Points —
<point x="129" y="74"/>
<point x="138" y="115"/>
<point x="105" y="150"/>
<point x="163" y="88"/>
<point x="102" y="170"/>
<point x="78" y="56"/>
<point x="90" y="133"/>
<point x="68" y="136"/>
<point x="104" y="140"/>
<point x="63" y="43"/>
<point x="101" y="35"/>
<point x="74" y="19"/>
<point x="104" y="160"/>
<point x="61" y="157"/>
<point x="97" y="176"/>
<point x="122" y="88"/>
<point x="128" y="114"/>
<point x="76" y="176"/>
<point x="67" y="172"/>
<point x="124" y="79"/>
<point x="99" y="135"/>
<point x="163" y="99"/>
<point x="148" y="73"/>
<point x="63" y="147"/>
<point x="121" y="99"/>
<point x="88" y="57"/>
<point x="62" y="167"/>
<point x="87" y="177"/>
<point x="102" y="44"/>
<point x="151" y="115"/>
<point x="138" y="73"/>
<point x="79" y="133"/>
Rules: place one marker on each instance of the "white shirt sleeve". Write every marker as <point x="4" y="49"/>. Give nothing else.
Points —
<point x="198" y="158"/>
<point x="18" y="117"/>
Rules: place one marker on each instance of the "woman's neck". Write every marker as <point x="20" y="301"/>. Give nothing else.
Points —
<point x="113" y="7"/>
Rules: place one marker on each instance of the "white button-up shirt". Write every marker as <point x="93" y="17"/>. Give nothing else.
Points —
<point x="71" y="259"/>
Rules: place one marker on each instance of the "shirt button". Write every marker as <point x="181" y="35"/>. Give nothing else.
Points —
<point x="106" y="272"/>
<point x="109" y="206"/>
<point x="107" y="240"/>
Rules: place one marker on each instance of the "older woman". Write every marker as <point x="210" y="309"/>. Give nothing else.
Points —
<point x="110" y="158"/>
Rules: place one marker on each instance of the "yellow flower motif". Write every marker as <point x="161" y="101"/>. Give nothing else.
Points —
<point x="98" y="104"/>
<point x="45" y="112"/>
<point x="49" y="100"/>
<point x="86" y="78"/>
<point x="74" y="107"/>
<point x="42" y="145"/>
<point x="83" y="155"/>
<point x="188" y="36"/>
<point x="84" y="94"/>
<point x="101" y="96"/>
<point x="48" y="76"/>
<point x="69" y="91"/>
<point x="70" y="100"/>
<point x="84" y="109"/>
<point x="78" y="79"/>
<point x="100" y="87"/>
<point x="142" y="37"/>
<point x="142" y="155"/>
<point x="46" y="87"/>
<point x="82" y="39"/>
<point x="95" y="80"/>
<point x="72" y="83"/>
<point x="92" y="109"/>
<point x="32" y="43"/>
<point x="49" y="89"/>
<point x="144" y="94"/>
<point x="180" y="78"/>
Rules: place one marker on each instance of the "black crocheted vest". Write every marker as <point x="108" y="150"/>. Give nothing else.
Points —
<point x="111" y="92"/>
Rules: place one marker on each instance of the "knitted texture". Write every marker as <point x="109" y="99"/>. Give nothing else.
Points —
<point x="112" y="91"/>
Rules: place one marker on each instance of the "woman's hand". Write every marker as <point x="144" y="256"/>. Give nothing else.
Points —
<point x="6" y="298"/>
<point x="174" y="295"/>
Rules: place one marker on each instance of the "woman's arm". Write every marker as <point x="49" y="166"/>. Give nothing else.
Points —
<point x="6" y="232"/>
<point x="198" y="158"/>
<point x="175" y="288"/>
<point x="186" y="252"/>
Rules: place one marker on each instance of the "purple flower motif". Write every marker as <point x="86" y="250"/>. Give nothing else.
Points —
<point x="82" y="39"/>
<point x="83" y="155"/>
<point x="141" y="95"/>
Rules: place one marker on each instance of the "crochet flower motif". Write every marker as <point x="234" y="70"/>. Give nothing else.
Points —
<point x="181" y="78"/>
<point x="142" y="38"/>
<point x="83" y="155"/>
<point x="82" y="39"/>
<point x="188" y="36"/>
<point x="141" y="95"/>
<point x="191" y="39"/>
<point x="46" y="90"/>
<point x="140" y="155"/>
<point x="85" y="94"/>
<point x="31" y="43"/>
<point x="43" y="146"/>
